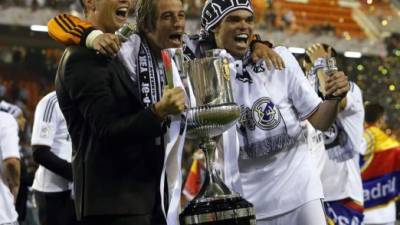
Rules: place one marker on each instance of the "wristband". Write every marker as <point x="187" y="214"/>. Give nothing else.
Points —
<point x="91" y="37"/>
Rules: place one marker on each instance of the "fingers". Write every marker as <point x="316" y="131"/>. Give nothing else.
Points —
<point x="268" y="62"/>
<point x="316" y="51"/>
<point x="174" y="100"/>
<point x="337" y="84"/>
<point x="107" y="44"/>
<point x="255" y="58"/>
<point x="278" y="63"/>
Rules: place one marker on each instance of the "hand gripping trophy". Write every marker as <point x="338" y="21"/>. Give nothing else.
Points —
<point x="212" y="112"/>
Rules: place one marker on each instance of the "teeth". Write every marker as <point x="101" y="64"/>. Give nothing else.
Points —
<point x="124" y="9"/>
<point x="244" y="36"/>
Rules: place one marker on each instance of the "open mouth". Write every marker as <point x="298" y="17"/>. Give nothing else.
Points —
<point x="241" y="38"/>
<point x="122" y="13"/>
<point x="176" y="38"/>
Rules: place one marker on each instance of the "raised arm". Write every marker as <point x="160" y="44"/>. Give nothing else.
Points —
<point x="71" y="30"/>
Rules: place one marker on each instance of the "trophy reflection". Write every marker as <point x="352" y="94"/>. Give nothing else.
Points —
<point x="212" y="112"/>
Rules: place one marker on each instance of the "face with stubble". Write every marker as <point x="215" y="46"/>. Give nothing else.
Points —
<point x="169" y="25"/>
<point x="234" y="32"/>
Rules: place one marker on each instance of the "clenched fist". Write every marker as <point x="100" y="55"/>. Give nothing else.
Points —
<point x="172" y="102"/>
<point x="337" y="85"/>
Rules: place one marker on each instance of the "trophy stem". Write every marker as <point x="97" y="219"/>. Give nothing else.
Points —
<point x="213" y="186"/>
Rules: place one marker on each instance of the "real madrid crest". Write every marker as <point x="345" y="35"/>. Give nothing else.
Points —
<point x="265" y="114"/>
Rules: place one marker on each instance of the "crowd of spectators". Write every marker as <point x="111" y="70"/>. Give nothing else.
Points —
<point x="34" y="4"/>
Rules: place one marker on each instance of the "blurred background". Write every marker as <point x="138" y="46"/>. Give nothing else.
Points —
<point x="366" y="33"/>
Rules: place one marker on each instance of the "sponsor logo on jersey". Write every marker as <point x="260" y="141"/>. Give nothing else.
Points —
<point x="45" y="132"/>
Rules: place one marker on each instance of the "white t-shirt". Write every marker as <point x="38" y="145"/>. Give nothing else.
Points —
<point x="50" y="129"/>
<point x="315" y="141"/>
<point x="286" y="180"/>
<point x="8" y="149"/>
<point x="346" y="175"/>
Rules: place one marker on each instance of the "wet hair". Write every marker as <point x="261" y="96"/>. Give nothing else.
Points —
<point x="145" y="14"/>
<point x="373" y="112"/>
<point x="326" y="47"/>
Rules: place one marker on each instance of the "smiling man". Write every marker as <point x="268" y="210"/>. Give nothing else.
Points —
<point x="276" y="171"/>
<point x="117" y="131"/>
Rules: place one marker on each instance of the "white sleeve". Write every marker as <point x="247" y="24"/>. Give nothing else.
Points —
<point x="9" y="147"/>
<point x="354" y="101"/>
<point x="300" y="91"/>
<point x="45" y="122"/>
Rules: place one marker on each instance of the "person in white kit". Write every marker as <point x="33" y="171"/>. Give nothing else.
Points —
<point x="9" y="169"/>
<point x="338" y="165"/>
<point x="15" y="111"/>
<point x="275" y="166"/>
<point x="52" y="150"/>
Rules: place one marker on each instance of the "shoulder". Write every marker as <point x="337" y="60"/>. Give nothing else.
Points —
<point x="80" y="55"/>
<point x="286" y="55"/>
<point x="50" y="98"/>
<point x="7" y="120"/>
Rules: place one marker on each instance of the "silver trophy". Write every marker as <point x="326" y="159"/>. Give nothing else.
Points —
<point x="212" y="112"/>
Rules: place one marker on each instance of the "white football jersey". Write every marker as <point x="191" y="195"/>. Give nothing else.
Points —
<point x="9" y="148"/>
<point x="50" y="129"/>
<point x="347" y="174"/>
<point x="274" y="102"/>
<point x="315" y="141"/>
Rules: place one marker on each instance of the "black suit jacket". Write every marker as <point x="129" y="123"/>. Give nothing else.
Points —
<point x="116" y="163"/>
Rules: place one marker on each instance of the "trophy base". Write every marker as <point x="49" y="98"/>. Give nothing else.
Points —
<point x="226" y="210"/>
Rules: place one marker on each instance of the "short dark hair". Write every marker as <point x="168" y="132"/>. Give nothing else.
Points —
<point x="373" y="112"/>
<point x="326" y="47"/>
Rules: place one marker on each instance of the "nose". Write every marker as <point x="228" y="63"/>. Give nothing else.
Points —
<point x="179" y="21"/>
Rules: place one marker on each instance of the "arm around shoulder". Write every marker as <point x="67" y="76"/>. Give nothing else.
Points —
<point x="86" y="79"/>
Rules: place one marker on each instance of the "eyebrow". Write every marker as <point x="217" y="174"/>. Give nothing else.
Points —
<point x="172" y="12"/>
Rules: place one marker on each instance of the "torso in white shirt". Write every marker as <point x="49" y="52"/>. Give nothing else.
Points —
<point x="346" y="175"/>
<point x="50" y="129"/>
<point x="275" y="102"/>
<point x="8" y="149"/>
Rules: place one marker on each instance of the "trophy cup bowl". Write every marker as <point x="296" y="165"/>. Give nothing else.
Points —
<point x="213" y="112"/>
